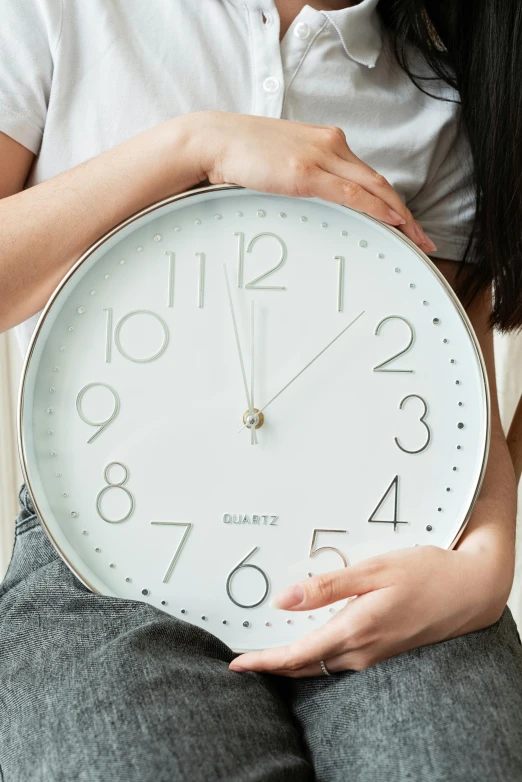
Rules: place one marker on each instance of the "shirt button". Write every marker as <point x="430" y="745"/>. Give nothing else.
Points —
<point x="271" y="84"/>
<point x="301" y="30"/>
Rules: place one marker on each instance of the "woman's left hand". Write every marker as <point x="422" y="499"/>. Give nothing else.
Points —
<point x="405" y="599"/>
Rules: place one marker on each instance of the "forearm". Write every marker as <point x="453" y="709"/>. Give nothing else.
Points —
<point x="45" y="228"/>
<point x="490" y="532"/>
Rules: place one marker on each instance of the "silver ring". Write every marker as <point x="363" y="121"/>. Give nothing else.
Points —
<point x="324" y="668"/>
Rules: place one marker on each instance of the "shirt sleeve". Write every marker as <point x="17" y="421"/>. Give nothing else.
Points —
<point x="445" y="205"/>
<point x="29" y="34"/>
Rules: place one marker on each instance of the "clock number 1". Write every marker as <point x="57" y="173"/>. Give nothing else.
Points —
<point x="188" y="527"/>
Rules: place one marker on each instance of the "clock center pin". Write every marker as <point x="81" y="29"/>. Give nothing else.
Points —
<point x="253" y="420"/>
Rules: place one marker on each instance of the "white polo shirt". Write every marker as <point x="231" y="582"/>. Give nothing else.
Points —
<point x="80" y="76"/>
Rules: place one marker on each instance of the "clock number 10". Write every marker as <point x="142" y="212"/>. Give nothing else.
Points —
<point x="114" y="335"/>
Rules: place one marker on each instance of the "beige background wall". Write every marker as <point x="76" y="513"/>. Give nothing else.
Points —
<point x="509" y="378"/>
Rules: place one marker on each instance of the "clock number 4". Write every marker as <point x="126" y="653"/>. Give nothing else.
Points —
<point x="254" y="284"/>
<point x="393" y="487"/>
<point x="175" y="557"/>
<point x="114" y="335"/>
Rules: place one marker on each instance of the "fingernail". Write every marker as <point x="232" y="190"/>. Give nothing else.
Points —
<point x="237" y="669"/>
<point x="424" y="238"/>
<point x="396" y="217"/>
<point x="289" y="597"/>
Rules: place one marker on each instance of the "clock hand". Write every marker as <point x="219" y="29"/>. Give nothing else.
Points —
<point x="309" y="364"/>
<point x="253" y="434"/>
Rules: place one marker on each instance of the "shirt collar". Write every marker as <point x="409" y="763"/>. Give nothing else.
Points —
<point x="360" y="31"/>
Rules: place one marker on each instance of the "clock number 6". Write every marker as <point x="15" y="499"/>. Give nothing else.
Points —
<point x="255" y="567"/>
<point x="314" y="551"/>
<point x="421" y="419"/>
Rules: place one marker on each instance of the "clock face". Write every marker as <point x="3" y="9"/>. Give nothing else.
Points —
<point x="234" y="390"/>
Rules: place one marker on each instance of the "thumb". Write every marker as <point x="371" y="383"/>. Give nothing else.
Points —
<point x="327" y="588"/>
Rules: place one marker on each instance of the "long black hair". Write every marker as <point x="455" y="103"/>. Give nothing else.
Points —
<point x="477" y="49"/>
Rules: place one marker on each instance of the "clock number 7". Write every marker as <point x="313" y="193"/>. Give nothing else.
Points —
<point x="188" y="527"/>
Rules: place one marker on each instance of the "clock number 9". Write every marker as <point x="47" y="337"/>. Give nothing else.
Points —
<point x="101" y="424"/>
<point x="255" y="567"/>
<point x="110" y="335"/>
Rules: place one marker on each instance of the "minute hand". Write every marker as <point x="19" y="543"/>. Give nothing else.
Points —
<point x="310" y="362"/>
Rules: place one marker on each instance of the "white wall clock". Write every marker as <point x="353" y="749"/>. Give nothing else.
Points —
<point x="373" y="425"/>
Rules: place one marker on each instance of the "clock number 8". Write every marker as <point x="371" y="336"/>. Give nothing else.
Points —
<point x="114" y="485"/>
<point x="255" y="567"/>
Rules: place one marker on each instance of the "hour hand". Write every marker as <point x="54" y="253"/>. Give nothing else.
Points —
<point x="250" y="415"/>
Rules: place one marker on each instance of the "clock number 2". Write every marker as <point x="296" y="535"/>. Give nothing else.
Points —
<point x="393" y="487"/>
<point x="115" y="335"/>
<point x="188" y="527"/>
<point x="243" y="564"/>
<point x="381" y="367"/>
<point x="254" y="284"/>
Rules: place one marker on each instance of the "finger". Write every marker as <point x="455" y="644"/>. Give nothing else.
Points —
<point x="350" y="193"/>
<point x="349" y="167"/>
<point x="327" y="641"/>
<point x="327" y="588"/>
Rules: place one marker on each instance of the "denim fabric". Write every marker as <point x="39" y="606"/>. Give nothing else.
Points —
<point x="95" y="688"/>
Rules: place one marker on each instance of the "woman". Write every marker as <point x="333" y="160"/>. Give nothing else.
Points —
<point x="110" y="105"/>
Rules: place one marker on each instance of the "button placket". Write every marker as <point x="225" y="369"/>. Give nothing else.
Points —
<point x="268" y="69"/>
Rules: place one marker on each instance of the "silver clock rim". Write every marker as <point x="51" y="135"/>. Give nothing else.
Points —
<point x="190" y="194"/>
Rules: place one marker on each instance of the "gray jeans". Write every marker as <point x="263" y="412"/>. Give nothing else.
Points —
<point x="96" y="688"/>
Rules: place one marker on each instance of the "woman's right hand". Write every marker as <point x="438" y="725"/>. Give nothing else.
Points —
<point x="300" y="160"/>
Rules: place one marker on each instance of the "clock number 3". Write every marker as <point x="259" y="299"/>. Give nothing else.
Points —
<point x="118" y="485"/>
<point x="254" y="284"/>
<point x="243" y="564"/>
<point x="421" y="419"/>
